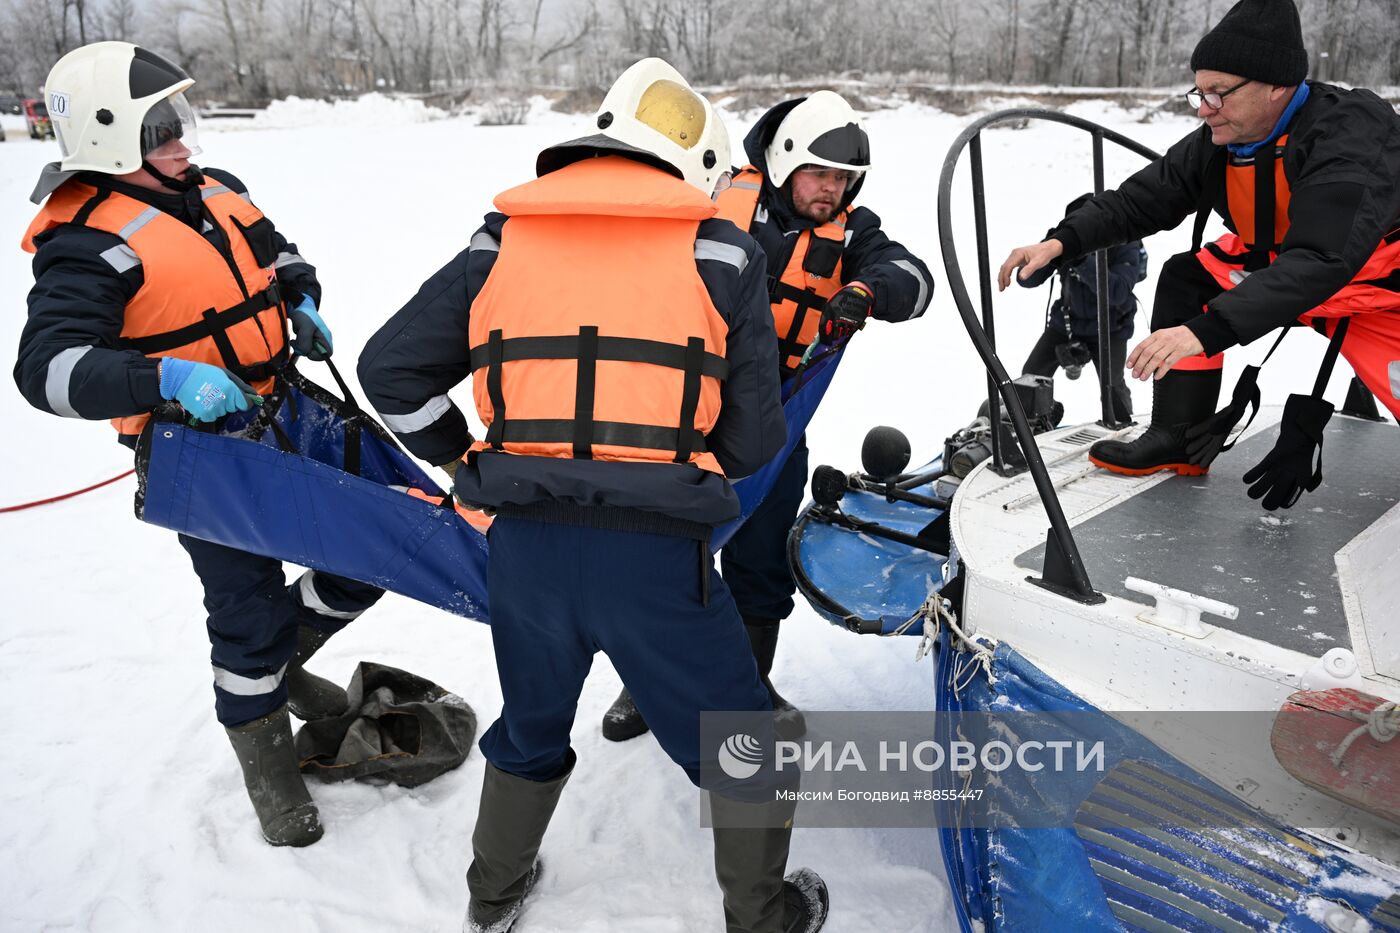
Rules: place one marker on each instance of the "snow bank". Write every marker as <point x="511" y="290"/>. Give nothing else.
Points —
<point x="377" y="110"/>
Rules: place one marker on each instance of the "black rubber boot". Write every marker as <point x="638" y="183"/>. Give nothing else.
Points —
<point x="789" y="722"/>
<point x="1180" y="399"/>
<point x="510" y="824"/>
<point x="274" y="782"/>
<point x="749" y="865"/>
<point x="308" y="696"/>
<point x="623" y="720"/>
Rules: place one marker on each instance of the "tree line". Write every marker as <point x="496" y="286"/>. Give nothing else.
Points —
<point x="246" y="52"/>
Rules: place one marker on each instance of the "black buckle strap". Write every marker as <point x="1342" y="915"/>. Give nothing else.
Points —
<point x="806" y="300"/>
<point x="213" y="324"/>
<point x="585" y="385"/>
<point x="495" y="351"/>
<point x="1329" y="359"/>
<point x="1264" y="230"/>
<point x="690" y="398"/>
<point x="613" y="349"/>
<point x="609" y="433"/>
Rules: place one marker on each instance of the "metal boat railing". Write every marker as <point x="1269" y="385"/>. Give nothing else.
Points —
<point x="1063" y="571"/>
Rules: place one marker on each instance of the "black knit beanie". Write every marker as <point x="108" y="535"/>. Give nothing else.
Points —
<point x="1257" y="39"/>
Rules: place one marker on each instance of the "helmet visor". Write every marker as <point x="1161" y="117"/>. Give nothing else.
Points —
<point x="168" y="130"/>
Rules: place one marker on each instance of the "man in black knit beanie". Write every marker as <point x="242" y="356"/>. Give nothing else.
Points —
<point x="1307" y="178"/>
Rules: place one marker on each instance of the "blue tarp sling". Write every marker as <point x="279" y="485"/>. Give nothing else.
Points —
<point x="299" y="492"/>
<point x="1133" y="870"/>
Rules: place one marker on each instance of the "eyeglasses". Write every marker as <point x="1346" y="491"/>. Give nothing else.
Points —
<point x="1212" y="99"/>
<point x="822" y="174"/>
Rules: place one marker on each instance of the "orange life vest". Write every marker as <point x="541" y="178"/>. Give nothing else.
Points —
<point x="1258" y="194"/>
<point x="812" y="274"/>
<point x="594" y="336"/>
<point x="197" y="303"/>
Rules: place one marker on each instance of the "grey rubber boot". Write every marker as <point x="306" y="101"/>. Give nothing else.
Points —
<point x="623" y="720"/>
<point x="789" y="722"/>
<point x="273" y="779"/>
<point x="749" y="865"/>
<point x="308" y="696"/>
<point x="510" y="824"/>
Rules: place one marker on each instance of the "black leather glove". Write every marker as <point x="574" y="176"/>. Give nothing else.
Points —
<point x="845" y="313"/>
<point x="1294" y="466"/>
<point x="1206" y="440"/>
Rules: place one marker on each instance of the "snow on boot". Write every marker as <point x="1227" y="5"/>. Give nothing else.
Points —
<point x="805" y="902"/>
<point x="1180" y="399"/>
<point x="506" y="919"/>
<point x="310" y="697"/>
<point x="788" y="721"/>
<point x="273" y="779"/>
<point x="623" y="720"/>
<point x="510" y="825"/>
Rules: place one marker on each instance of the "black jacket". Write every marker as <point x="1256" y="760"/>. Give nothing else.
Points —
<point x="420" y="353"/>
<point x="901" y="282"/>
<point x="79" y="300"/>
<point x="1342" y="162"/>
<point x="1078" y="302"/>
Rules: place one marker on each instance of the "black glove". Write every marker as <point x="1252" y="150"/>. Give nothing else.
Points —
<point x="1294" y="466"/>
<point x="1206" y="440"/>
<point x="845" y="313"/>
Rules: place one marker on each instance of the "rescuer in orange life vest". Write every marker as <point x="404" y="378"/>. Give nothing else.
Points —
<point x="830" y="268"/>
<point x="620" y="347"/>
<point x="1307" y="177"/>
<point x="157" y="282"/>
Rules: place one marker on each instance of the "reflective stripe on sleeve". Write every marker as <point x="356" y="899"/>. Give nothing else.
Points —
<point x="483" y="242"/>
<point x="722" y="252"/>
<point x="913" y="270"/>
<point x="60" y="378"/>
<point x="286" y="259"/>
<point x="424" y="417"/>
<point x="121" y="257"/>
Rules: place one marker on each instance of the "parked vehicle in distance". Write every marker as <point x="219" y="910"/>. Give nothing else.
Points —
<point x="36" y="117"/>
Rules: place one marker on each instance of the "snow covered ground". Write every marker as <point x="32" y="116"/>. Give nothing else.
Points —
<point x="121" y="807"/>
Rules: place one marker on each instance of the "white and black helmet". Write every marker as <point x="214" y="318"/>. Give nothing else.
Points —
<point x="111" y="103"/>
<point x="652" y="114"/>
<point x="821" y="130"/>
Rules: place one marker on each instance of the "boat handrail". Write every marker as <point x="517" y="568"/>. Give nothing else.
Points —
<point x="1063" y="571"/>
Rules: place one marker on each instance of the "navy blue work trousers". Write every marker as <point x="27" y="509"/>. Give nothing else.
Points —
<point x="559" y="593"/>
<point x="754" y="562"/>
<point x="253" y="621"/>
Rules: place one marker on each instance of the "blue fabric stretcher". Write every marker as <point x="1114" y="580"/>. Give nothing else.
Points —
<point x="311" y="479"/>
<point x="1147" y="844"/>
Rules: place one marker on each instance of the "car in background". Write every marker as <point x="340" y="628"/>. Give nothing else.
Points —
<point x="11" y="104"/>
<point x="36" y="117"/>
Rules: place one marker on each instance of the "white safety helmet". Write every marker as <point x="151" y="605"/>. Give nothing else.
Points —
<point x="651" y="113"/>
<point x="111" y="103"/>
<point x="821" y="130"/>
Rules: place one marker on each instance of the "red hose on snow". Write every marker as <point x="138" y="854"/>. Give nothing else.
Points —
<point x="66" y="495"/>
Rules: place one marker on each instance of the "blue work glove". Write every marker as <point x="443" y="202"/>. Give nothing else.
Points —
<point x="206" y="392"/>
<point x="845" y="313"/>
<point x="313" y="337"/>
<point x="1294" y="466"/>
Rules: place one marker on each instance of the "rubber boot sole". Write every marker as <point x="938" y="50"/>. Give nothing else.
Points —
<point x="1181" y="469"/>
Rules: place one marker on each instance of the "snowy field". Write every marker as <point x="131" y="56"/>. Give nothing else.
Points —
<point x="121" y="806"/>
